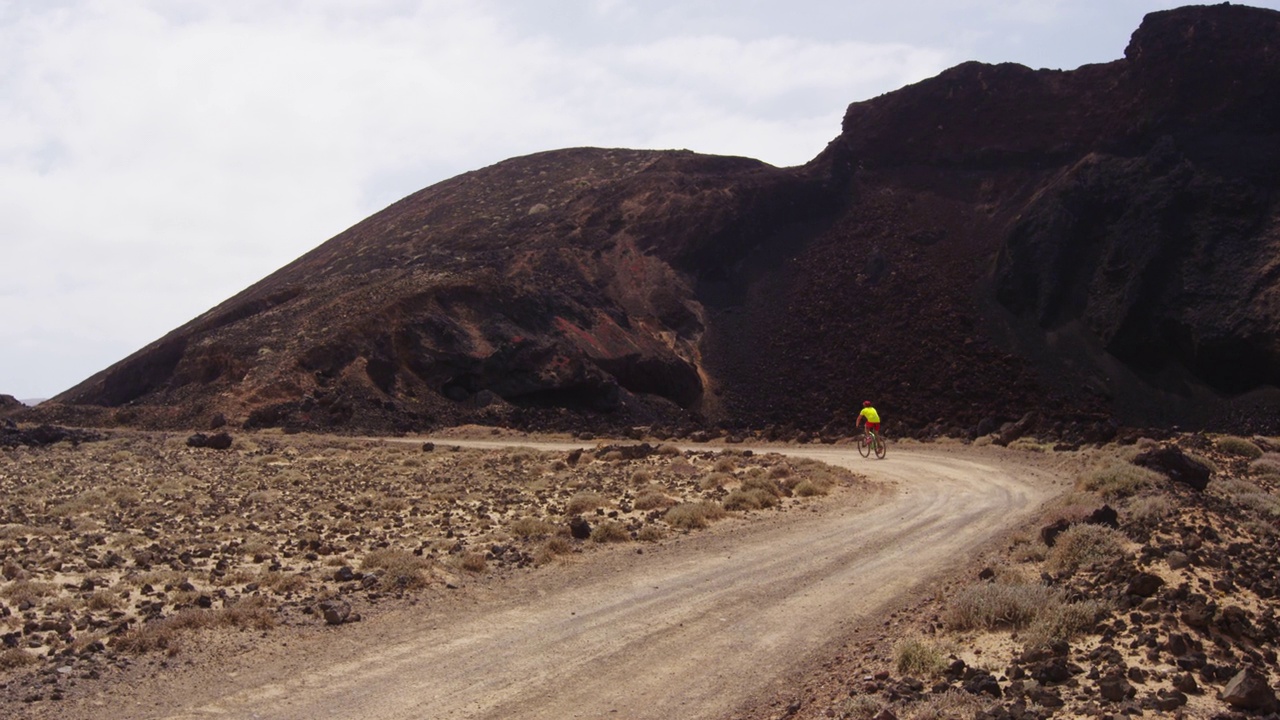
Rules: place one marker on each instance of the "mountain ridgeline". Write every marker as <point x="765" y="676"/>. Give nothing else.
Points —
<point x="1078" y="249"/>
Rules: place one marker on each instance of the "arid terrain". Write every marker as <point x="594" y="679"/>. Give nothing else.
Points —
<point x="301" y="576"/>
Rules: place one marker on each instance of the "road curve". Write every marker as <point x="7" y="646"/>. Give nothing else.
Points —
<point x="687" y="629"/>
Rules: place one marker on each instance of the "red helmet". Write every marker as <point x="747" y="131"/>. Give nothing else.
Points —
<point x="866" y="403"/>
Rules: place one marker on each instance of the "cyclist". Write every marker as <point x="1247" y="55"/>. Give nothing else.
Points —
<point x="871" y="417"/>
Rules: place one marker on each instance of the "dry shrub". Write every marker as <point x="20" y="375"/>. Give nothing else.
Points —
<point x="1268" y="464"/>
<point x="652" y="499"/>
<point x="716" y="480"/>
<point x="918" y="657"/>
<point x="1084" y="545"/>
<point x="610" y="531"/>
<point x="1118" y="480"/>
<point x="641" y="477"/>
<point x="694" y="515"/>
<point x="997" y="606"/>
<point x="749" y="499"/>
<point x="778" y="472"/>
<point x="280" y="582"/>
<point x="1150" y="509"/>
<point x="527" y="527"/>
<point x="669" y="450"/>
<point x="1061" y="621"/>
<point x="1246" y="494"/>
<point x="584" y="502"/>
<point x="15" y="658"/>
<point x="1238" y="446"/>
<point x="650" y="533"/>
<point x="1030" y="445"/>
<point x="102" y="600"/>
<point x="950" y="705"/>
<point x="861" y="707"/>
<point x="811" y="488"/>
<point x="30" y="591"/>
<point x="473" y="562"/>
<point x="398" y="567"/>
<point x="725" y="465"/>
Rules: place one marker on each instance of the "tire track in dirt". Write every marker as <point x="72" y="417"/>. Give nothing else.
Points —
<point x="689" y="629"/>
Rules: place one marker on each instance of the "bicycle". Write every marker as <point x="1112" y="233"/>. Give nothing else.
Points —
<point x="869" y="442"/>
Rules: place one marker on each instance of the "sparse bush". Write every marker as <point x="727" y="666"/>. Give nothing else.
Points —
<point x="473" y="562"/>
<point x="1248" y="495"/>
<point x="641" y="477"/>
<point x="15" y="658"/>
<point x="610" y="531"/>
<point x="861" y="707"/>
<point x="669" y="450"/>
<point x="652" y="499"/>
<point x="1061" y="621"/>
<point x="400" y="568"/>
<point x="1030" y="445"/>
<point x="1149" y="509"/>
<point x="584" y="502"/>
<point x="725" y="465"/>
<point x="694" y="515"/>
<point x="527" y="527"/>
<point x="810" y="488"/>
<point x="1238" y="446"/>
<point x="749" y="499"/>
<point x="1084" y="545"/>
<point x="919" y="658"/>
<point x="778" y="472"/>
<point x="997" y="606"/>
<point x="716" y="480"/>
<point x="650" y="533"/>
<point x="102" y="600"/>
<point x="950" y="705"/>
<point x="1266" y="465"/>
<point x="1118" y="480"/>
<point x="31" y="591"/>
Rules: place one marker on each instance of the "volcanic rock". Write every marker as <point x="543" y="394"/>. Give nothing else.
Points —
<point x="1171" y="462"/>
<point x="1085" y="247"/>
<point x="1249" y="690"/>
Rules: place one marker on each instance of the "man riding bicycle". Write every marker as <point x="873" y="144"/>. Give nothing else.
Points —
<point x="871" y="417"/>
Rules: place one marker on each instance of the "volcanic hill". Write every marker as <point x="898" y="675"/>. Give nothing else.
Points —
<point x="1082" y="249"/>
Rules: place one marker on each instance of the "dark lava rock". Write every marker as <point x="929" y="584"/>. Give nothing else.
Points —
<point x="580" y="528"/>
<point x="1171" y="462"/>
<point x="1249" y="690"/>
<point x="1144" y="585"/>
<point x="11" y="435"/>
<point x="335" y="612"/>
<point x="217" y="441"/>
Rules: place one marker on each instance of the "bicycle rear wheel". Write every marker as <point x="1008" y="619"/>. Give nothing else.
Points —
<point x="879" y="446"/>
<point x="864" y="447"/>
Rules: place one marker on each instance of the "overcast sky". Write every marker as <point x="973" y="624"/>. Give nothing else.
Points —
<point x="156" y="157"/>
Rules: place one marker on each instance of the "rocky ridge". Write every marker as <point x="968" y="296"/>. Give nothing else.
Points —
<point x="1088" y="248"/>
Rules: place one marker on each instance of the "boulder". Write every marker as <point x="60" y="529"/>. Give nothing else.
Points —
<point x="1249" y="690"/>
<point x="1176" y="465"/>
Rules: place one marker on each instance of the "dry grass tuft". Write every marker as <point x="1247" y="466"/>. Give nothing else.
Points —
<point x="1117" y="480"/>
<point x="1238" y="446"/>
<point x="14" y="658"/>
<point x="399" y="568"/>
<point x="1085" y="545"/>
<point x="584" y="502"/>
<point x="1043" y="613"/>
<point x="918" y="657"/>
<point x="653" y="498"/>
<point x="694" y="515"/>
<point x="610" y="531"/>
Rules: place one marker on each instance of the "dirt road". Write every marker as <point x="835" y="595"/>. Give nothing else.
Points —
<point x="688" y="629"/>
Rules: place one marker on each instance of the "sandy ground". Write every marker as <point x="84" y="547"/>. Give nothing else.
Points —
<point x="693" y="628"/>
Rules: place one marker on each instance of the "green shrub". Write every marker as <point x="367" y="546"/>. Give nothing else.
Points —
<point x="1084" y="545"/>
<point x="1238" y="446"/>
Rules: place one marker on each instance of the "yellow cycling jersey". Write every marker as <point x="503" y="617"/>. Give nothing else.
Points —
<point x="870" y="414"/>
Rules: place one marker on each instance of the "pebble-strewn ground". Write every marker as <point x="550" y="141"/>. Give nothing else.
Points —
<point x="1165" y="608"/>
<point x="120" y="547"/>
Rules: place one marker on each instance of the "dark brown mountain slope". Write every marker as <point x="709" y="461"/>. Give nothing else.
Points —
<point x="1095" y="246"/>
